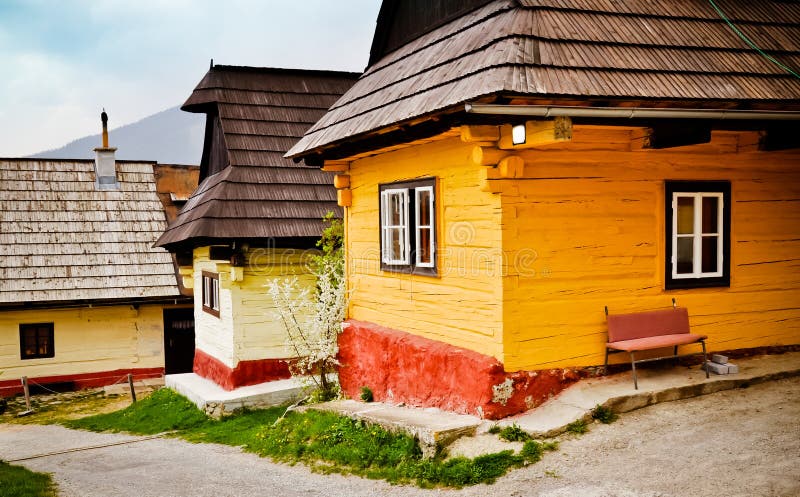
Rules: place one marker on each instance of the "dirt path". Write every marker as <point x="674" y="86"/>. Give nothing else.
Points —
<point x="736" y="443"/>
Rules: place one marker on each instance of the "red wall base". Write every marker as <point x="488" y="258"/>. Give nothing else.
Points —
<point x="400" y="367"/>
<point x="9" y="388"/>
<point x="245" y="373"/>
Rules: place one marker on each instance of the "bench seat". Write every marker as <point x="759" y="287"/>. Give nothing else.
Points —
<point x="649" y="330"/>
<point x="656" y="342"/>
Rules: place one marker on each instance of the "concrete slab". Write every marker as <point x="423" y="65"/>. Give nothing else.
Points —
<point x="433" y="428"/>
<point x="216" y="401"/>
<point x="655" y="385"/>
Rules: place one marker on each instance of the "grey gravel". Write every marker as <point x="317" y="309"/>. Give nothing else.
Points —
<point x="735" y="443"/>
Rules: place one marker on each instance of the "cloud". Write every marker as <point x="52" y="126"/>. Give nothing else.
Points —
<point x="63" y="61"/>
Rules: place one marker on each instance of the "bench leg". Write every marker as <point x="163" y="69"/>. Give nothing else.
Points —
<point x="633" y="369"/>
<point x="705" y="359"/>
<point x="675" y="353"/>
<point x="605" y="364"/>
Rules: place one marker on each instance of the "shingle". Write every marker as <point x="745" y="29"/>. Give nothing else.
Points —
<point x="62" y="239"/>
<point x="260" y="194"/>
<point x="624" y="49"/>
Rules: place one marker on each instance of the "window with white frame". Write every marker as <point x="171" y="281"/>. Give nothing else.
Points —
<point x="698" y="234"/>
<point x="408" y="226"/>
<point x="211" y="293"/>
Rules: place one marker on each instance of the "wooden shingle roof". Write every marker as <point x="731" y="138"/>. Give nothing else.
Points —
<point x="248" y="190"/>
<point x="63" y="240"/>
<point x="597" y="52"/>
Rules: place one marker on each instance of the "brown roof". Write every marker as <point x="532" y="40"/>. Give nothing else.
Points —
<point x="62" y="239"/>
<point x="599" y="51"/>
<point x="248" y="190"/>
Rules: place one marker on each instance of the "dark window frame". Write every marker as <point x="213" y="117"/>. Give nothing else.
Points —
<point x="213" y="297"/>
<point x="675" y="186"/>
<point x="48" y="328"/>
<point x="411" y="267"/>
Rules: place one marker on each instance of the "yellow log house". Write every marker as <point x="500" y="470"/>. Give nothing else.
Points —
<point x="85" y="299"/>
<point x="513" y="169"/>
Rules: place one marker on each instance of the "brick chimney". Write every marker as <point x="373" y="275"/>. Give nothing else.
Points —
<point x="105" y="165"/>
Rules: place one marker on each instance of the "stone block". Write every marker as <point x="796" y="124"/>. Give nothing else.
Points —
<point x="732" y="368"/>
<point x="719" y="359"/>
<point x="715" y="368"/>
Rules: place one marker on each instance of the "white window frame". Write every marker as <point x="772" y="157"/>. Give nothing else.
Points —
<point x="386" y="228"/>
<point x="697" y="235"/>
<point x="210" y="291"/>
<point x="428" y="224"/>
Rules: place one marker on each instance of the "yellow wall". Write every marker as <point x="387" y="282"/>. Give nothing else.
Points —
<point x="463" y="305"/>
<point x="525" y="272"/>
<point x="86" y="340"/>
<point x="590" y="218"/>
<point x="248" y="327"/>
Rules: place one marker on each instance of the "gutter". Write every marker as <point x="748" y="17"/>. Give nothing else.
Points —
<point x="629" y="112"/>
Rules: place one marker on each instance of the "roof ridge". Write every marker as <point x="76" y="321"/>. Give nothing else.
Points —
<point x="283" y="70"/>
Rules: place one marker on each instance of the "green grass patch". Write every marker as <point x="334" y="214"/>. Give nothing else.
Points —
<point x="604" y="414"/>
<point x="325" y="441"/>
<point x="164" y="410"/>
<point x="16" y="481"/>
<point x="514" y="433"/>
<point x="578" y="427"/>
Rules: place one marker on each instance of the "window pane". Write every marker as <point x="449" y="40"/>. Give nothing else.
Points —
<point x="685" y="215"/>
<point x="709" y="256"/>
<point x="396" y="210"/>
<point x="29" y="341"/>
<point x="396" y="244"/>
<point x="44" y="341"/>
<point x="424" y="254"/>
<point x="710" y="215"/>
<point x="423" y="204"/>
<point x="685" y="256"/>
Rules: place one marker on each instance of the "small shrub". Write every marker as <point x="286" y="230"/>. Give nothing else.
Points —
<point x="532" y="451"/>
<point x="514" y="433"/>
<point x="495" y="429"/>
<point x="366" y="394"/>
<point x="604" y="414"/>
<point x="578" y="427"/>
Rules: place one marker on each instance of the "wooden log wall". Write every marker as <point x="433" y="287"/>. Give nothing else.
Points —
<point x="587" y="221"/>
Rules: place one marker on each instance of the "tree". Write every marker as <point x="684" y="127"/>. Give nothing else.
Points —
<point x="314" y="317"/>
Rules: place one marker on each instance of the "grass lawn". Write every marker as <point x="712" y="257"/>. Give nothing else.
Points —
<point x="16" y="481"/>
<point x="324" y="441"/>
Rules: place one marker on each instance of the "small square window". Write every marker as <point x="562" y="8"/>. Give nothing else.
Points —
<point x="698" y="221"/>
<point x="36" y="341"/>
<point x="211" y="293"/>
<point x="408" y="226"/>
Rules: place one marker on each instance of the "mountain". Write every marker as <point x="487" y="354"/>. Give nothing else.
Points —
<point x="169" y="137"/>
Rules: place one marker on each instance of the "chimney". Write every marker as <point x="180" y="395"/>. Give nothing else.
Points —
<point x="105" y="166"/>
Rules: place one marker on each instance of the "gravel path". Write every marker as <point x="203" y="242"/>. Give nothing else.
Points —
<point x="736" y="443"/>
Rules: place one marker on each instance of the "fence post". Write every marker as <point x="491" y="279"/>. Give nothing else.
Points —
<point x="27" y="395"/>
<point x="130" y="383"/>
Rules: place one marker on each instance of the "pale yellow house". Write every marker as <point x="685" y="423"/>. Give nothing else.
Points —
<point x="84" y="298"/>
<point x="254" y="218"/>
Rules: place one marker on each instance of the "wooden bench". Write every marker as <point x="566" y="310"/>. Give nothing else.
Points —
<point x="639" y="331"/>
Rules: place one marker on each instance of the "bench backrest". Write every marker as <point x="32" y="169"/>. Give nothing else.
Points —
<point x="647" y="324"/>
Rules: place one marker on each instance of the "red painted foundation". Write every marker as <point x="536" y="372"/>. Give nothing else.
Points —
<point x="401" y="367"/>
<point x="245" y="373"/>
<point x="9" y="388"/>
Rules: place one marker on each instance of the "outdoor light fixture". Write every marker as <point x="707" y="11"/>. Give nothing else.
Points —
<point x="518" y="134"/>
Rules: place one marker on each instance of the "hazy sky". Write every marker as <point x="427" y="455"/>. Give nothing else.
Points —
<point x="61" y="61"/>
